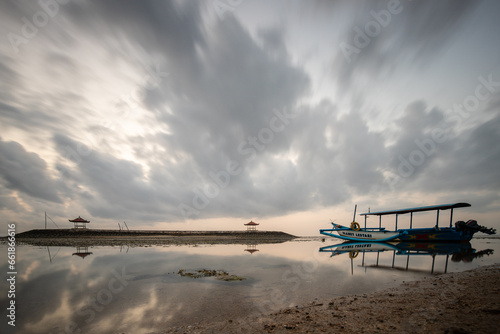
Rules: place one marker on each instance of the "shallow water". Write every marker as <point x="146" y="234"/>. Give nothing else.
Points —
<point x="137" y="290"/>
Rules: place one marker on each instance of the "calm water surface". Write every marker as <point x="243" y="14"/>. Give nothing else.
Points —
<point x="139" y="290"/>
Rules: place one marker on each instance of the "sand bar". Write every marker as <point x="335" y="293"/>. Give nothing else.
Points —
<point x="92" y="237"/>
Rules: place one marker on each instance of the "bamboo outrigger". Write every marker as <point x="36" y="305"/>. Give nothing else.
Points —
<point x="462" y="231"/>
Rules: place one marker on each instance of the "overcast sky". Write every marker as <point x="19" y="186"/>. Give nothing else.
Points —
<point x="206" y="114"/>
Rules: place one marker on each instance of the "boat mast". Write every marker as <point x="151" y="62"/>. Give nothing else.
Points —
<point x="451" y="217"/>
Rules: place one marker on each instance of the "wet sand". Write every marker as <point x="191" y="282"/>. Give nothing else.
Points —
<point x="465" y="302"/>
<point x="91" y="237"/>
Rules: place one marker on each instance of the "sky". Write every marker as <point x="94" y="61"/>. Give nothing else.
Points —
<point x="207" y="114"/>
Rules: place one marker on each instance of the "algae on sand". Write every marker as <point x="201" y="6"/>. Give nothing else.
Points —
<point x="219" y="274"/>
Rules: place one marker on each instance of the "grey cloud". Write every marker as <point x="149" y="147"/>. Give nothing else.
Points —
<point x="362" y="153"/>
<point x="26" y="172"/>
<point x="211" y="109"/>
<point x="417" y="32"/>
<point x="273" y="40"/>
<point x="10" y="79"/>
<point x="414" y="129"/>
<point x="150" y="26"/>
<point x="221" y="85"/>
<point x="474" y="162"/>
<point x="23" y="107"/>
<point x="116" y="188"/>
<point x="464" y="165"/>
<point x="6" y="200"/>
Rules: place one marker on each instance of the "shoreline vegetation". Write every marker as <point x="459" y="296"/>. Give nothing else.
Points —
<point x="95" y="237"/>
<point x="453" y="303"/>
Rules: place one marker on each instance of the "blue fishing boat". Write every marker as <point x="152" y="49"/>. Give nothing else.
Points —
<point x="462" y="231"/>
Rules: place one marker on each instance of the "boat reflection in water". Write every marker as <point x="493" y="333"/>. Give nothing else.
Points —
<point x="458" y="251"/>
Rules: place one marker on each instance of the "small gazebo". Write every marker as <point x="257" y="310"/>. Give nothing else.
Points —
<point x="251" y="226"/>
<point x="79" y="222"/>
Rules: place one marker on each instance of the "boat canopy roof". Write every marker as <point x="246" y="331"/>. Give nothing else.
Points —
<point x="418" y="209"/>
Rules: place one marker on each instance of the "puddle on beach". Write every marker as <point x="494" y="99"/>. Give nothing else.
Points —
<point x="139" y="289"/>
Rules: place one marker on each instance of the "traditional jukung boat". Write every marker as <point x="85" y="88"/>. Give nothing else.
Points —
<point x="462" y="231"/>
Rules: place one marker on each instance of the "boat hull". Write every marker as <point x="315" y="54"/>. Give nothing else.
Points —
<point x="361" y="235"/>
<point x="414" y="234"/>
<point x="432" y="234"/>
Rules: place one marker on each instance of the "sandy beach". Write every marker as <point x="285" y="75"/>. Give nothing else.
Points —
<point x="465" y="302"/>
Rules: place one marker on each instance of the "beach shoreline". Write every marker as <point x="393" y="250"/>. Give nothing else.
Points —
<point x="463" y="302"/>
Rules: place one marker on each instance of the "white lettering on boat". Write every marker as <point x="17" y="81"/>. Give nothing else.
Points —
<point x="357" y="246"/>
<point x="359" y="235"/>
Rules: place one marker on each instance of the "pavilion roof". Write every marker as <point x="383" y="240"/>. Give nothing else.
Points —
<point x="79" y="220"/>
<point x="82" y="255"/>
<point x="251" y="223"/>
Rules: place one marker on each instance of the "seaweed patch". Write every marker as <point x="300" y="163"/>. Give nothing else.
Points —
<point x="219" y="274"/>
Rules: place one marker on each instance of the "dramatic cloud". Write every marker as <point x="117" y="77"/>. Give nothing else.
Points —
<point x="25" y="172"/>
<point x="385" y="36"/>
<point x="158" y="112"/>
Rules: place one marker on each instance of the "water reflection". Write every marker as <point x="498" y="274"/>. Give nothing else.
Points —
<point x="139" y="289"/>
<point x="82" y="251"/>
<point x="458" y="251"/>
<point x="251" y="248"/>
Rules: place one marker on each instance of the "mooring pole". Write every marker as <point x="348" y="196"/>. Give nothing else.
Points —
<point x="45" y="219"/>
